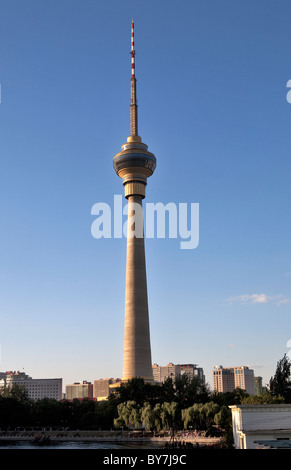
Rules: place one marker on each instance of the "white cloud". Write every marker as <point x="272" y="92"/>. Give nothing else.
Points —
<point x="283" y="301"/>
<point x="258" y="299"/>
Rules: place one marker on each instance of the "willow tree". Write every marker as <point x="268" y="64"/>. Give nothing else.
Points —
<point x="200" y="415"/>
<point x="151" y="416"/>
<point x="128" y="415"/>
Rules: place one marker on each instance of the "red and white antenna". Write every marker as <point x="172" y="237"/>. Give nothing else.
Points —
<point x="132" y="51"/>
<point x="133" y="100"/>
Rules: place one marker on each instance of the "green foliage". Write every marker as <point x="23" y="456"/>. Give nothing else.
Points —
<point x="223" y="418"/>
<point x="280" y="384"/>
<point x="147" y="417"/>
<point x="129" y="415"/>
<point x="160" y="416"/>
<point x="264" y="399"/>
<point x="200" y="415"/>
<point x="140" y="392"/>
<point x="46" y="412"/>
<point x="170" y="415"/>
<point x="76" y="414"/>
<point x="151" y="417"/>
<point x="16" y="392"/>
<point x="14" y="407"/>
<point x="229" y="398"/>
<point x="188" y="391"/>
<point x="183" y="390"/>
<point x="171" y="405"/>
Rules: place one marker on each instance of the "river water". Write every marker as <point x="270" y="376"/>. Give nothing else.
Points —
<point x="76" y="445"/>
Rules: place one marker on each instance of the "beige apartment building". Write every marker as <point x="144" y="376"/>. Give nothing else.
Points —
<point x="227" y="379"/>
<point x="79" y="390"/>
<point x="161" y="373"/>
<point x="103" y="388"/>
<point x="192" y="371"/>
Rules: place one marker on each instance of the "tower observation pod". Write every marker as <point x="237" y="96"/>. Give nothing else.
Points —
<point x="135" y="164"/>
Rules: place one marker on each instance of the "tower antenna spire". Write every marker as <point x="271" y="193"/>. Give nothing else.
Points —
<point x="132" y="51"/>
<point x="133" y="101"/>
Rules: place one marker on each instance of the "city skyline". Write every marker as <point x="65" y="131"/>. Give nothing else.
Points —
<point x="212" y="87"/>
<point x="224" y="379"/>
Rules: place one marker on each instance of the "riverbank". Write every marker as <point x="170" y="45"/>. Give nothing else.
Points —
<point x="113" y="437"/>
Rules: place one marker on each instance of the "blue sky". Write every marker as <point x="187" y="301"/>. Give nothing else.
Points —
<point x="211" y="84"/>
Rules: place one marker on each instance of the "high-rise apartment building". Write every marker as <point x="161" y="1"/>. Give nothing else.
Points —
<point x="258" y="385"/>
<point x="227" y="379"/>
<point x="192" y="371"/>
<point x="103" y="388"/>
<point x="36" y="388"/>
<point x="161" y="373"/>
<point x="79" y="390"/>
<point x="244" y="378"/>
<point x="223" y="379"/>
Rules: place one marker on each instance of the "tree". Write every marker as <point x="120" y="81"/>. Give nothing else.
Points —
<point x="223" y="418"/>
<point x="182" y="388"/>
<point x="16" y="392"/>
<point x="191" y="415"/>
<point x="229" y="398"/>
<point x="280" y="384"/>
<point x="167" y="390"/>
<point x="264" y="399"/>
<point x="170" y="415"/>
<point x="157" y="418"/>
<point x="128" y="415"/>
<point x="190" y="390"/>
<point x="46" y="412"/>
<point x="146" y="416"/>
<point x="200" y="415"/>
<point x="133" y="390"/>
<point x="197" y="391"/>
<point x="209" y="411"/>
<point x="137" y="390"/>
<point x="106" y="412"/>
<point x="151" y="417"/>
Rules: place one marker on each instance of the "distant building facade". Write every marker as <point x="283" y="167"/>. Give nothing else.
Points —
<point x="104" y="387"/>
<point x="37" y="389"/>
<point x="227" y="379"/>
<point x="79" y="390"/>
<point x="223" y="379"/>
<point x="192" y="371"/>
<point x="162" y="373"/>
<point x="258" y="385"/>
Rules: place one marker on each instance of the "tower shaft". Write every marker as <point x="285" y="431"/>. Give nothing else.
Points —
<point x="137" y="350"/>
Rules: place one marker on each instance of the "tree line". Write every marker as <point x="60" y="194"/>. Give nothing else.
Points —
<point x="181" y="404"/>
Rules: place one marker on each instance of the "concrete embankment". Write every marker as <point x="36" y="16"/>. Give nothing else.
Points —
<point x="105" y="436"/>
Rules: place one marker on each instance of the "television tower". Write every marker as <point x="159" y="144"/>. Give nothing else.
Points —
<point x="134" y="164"/>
